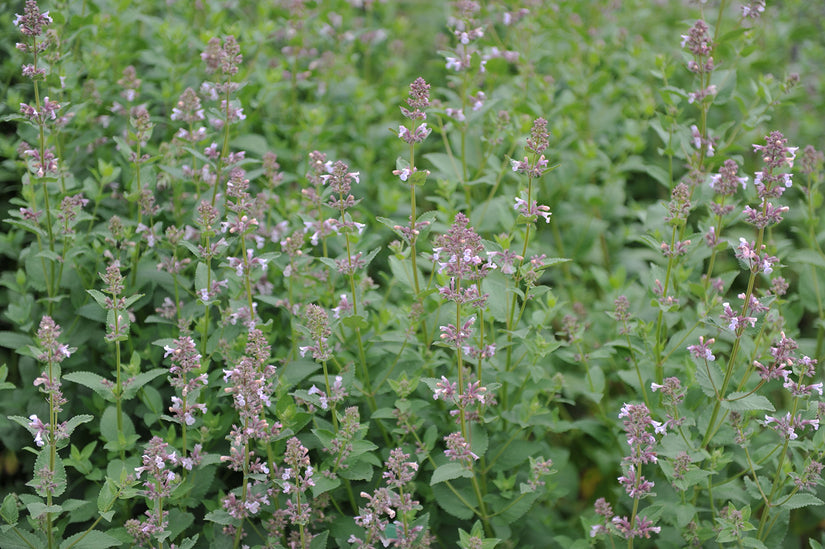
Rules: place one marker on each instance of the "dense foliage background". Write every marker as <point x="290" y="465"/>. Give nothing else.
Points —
<point x="521" y="335"/>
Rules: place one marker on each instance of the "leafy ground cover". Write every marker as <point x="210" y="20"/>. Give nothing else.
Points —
<point x="411" y="274"/>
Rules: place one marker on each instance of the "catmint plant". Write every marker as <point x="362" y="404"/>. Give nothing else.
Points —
<point x="40" y="159"/>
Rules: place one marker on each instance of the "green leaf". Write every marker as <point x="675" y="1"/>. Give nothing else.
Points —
<point x="319" y="541"/>
<point x="419" y="177"/>
<point x="13" y="340"/>
<point x="448" y="501"/>
<point x="140" y="380"/>
<point x="450" y="471"/>
<point x="360" y="470"/>
<point x="801" y="500"/>
<point x="38" y="508"/>
<point x="806" y="256"/>
<point x="188" y="543"/>
<point x="21" y="539"/>
<point x="738" y="402"/>
<point x="512" y="510"/>
<point x="324" y="484"/>
<point x="94" y="382"/>
<point x="496" y="286"/>
<point x="42" y="464"/>
<point x="179" y="521"/>
<point x="355" y="321"/>
<point x="75" y="421"/>
<point x="91" y="539"/>
<point x="220" y="516"/>
<point x="98" y="296"/>
<point x="107" y="495"/>
<point x="4" y="371"/>
<point x="131" y="300"/>
<point x="444" y="164"/>
<point x="8" y="511"/>
<point x="401" y="271"/>
<point x="108" y="429"/>
<point x="480" y="440"/>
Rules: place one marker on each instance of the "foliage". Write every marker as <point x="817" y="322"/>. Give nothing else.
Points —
<point x="411" y="273"/>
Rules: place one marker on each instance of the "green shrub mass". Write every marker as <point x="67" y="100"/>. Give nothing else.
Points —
<point x="411" y="273"/>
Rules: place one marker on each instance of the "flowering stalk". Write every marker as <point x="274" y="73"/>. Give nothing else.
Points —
<point x="118" y="327"/>
<point x="678" y="210"/>
<point x="185" y="361"/>
<point x="52" y="354"/>
<point x="188" y="109"/>
<point x="32" y="24"/>
<point x="642" y="444"/>
<point x="466" y="29"/>
<point x="207" y="216"/>
<point x="226" y="58"/>
<point x="297" y="478"/>
<point x="724" y="184"/>
<point x="788" y="427"/>
<point x="769" y="183"/>
<point x="317" y="324"/>
<point x="160" y="482"/>
<point x="139" y="119"/>
<point x="250" y="382"/>
<point x="242" y="223"/>
<point x="340" y="181"/>
<point x="460" y="247"/>
<point x="529" y="211"/>
<point x="418" y="100"/>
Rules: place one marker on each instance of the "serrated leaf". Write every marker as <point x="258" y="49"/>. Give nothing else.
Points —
<point x="59" y="478"/>
<point x="13" y="340"/>
<point x="801" y="500"/>
<point x="448" y="501"/>
<point x="94" y="382"/>
<point x="188" y="543"/>
<point x="355" y="321"/>
<point x="140" y="380"/>
<point x="324" y="484"/>
<point x="107" y="496"/>
<point x="739" y="402"/>
<point x="75" y="421"/>
<point x="98" y="296"/>
<point x="92" y="539"/>
<point x="9" y="511"/>
<point x="450" y="471"/>
<point x="38" y="508"/>
<point x="20" y="539"/>
<point x="319" y="541"/>
<point x="220" y="516"/>
<point x="360" y="470"/>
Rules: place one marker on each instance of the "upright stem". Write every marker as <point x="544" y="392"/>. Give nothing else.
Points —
<point x="711" y="429"/>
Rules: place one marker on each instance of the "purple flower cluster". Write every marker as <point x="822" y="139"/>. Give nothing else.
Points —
<point x="637" y="421"/>
<point x="391" y="503"/>
<point x="185" y="361"/>
<point x="316" y="321"/>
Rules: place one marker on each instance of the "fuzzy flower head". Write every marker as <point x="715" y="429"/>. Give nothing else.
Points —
<point x="539" y="139"/>
<point x="226" y="58"/>
<point x="458" y="251"/>
<point x="642" y="442"/>
<point x="418" y="100"/>
<point x="753" y="9"/>
<point x="340" y="179"/>
<point x="727" y="180"/>
<point x="698" y="40"/>
<point x="776" y="155"/>
<point x="32" y="22"/>
<point x="702" y="351"/>
<point x="316" y="321"/>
